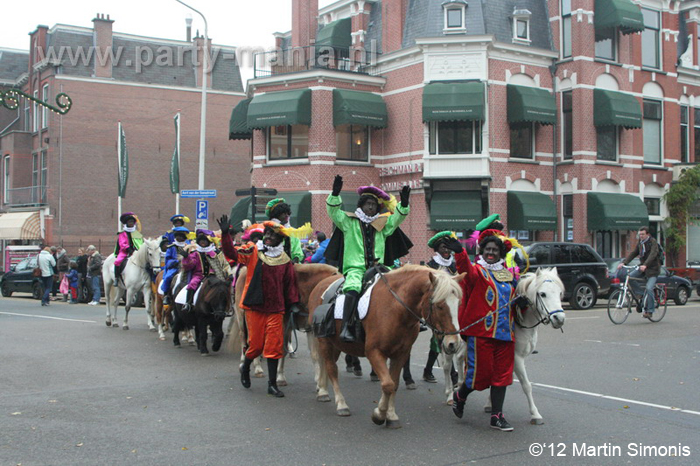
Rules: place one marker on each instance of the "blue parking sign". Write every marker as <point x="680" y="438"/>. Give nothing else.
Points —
<point x="202" y="210"/>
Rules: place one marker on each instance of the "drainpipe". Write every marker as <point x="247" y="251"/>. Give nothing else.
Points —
<point x="553" y="72"/>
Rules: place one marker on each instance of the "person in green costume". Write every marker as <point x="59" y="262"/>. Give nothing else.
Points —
<point x="365" y="233"/>
<point x="278" y="211"/>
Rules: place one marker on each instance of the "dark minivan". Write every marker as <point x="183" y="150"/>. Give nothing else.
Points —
<point x="580" y="267"/>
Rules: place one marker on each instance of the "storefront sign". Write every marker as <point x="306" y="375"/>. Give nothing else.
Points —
<point x="403" y="169"/>
<point x="397" y="185"/>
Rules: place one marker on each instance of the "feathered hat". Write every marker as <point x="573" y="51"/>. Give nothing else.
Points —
<point x="492" y="222"/>
<point x="303" y="231"/>
<point x="272" y="205"/>
<point x="255" y="228"/>
<point x="181" y="217"/>
<point x="127" y="215"/>
<point x="208" y="234"/>
<point x="436" y="240"/>
<point x="181" y="230"/>
<point x="382" y="198"/>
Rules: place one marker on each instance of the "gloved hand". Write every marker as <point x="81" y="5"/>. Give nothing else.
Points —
<point x="337" y="185"/>
<point x="453" y="244"/>
<point x="294" y="309"/>
<point x="224" y="225"/>
<point x="521" y="301"/>
<point x="405" y="192"/>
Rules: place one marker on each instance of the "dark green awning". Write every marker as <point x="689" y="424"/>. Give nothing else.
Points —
<point x="280" y="108"/>
<point x="622" y="14"/>
<point x="531" y="211"/>
<point x="530" y="104"/>
<point x="238" y="125"/>
<point x="299" y="202"/>
<point x="611" y="108"/>
<point x="455" y="210"/>
<point x="609" y="211"/>
<point x="453" y="101"/>
<point x="358" y="108"/>
<point x="349" y="199"/>
<point x="336" y="34"/>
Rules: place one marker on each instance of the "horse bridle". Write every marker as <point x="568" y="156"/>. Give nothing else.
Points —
<point x="539" y="305"/>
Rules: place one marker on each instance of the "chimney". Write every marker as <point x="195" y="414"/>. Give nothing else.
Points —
<point x="188" y="22"/>
<point x="102" y="38"/>
<point x="304" y="22"/>
<point x="37" y="47"/>
<point x="393" y="19"/>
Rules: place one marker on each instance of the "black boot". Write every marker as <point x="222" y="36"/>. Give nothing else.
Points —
<point x="428" y="371"/>
<point x="347" y="333"/>
<point x="245" y="372"/>
<point x="117" y="273"/>
<point x="272" y="381"/>
<point x="348" y="363"/>
<point x="190" y="296"/>
<point x="166" y="299"/>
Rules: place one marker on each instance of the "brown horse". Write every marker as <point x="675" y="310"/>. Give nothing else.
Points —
<point x="308" y="276"/>
<point x="391" y="327"/>
<point x="161" y="312"/>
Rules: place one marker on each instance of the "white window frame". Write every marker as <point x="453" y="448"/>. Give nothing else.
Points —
<point x="685" y="128"/>
<point x="27" y="116"/>
<point x="661" y="133"/>
<point x="35" y="113"/>
<point x="659" y="42"/>
<point x="44" y="109"/>
<point x="6" y="178"/>
<point x="477" y="132"/>
<point x="290" y="146"/>
<point x="615" y="56"/>
<point x="462" y="8"/>
<point x="369" y="145"/>
<point x="564" y="40"/>
<point x="521" y="15"/>
<point x="533" y="144"/>
<point x="616" y="141"/>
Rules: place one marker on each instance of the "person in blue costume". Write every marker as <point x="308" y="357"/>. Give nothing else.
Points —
<point x="172" y="260"/>
<point x="178" y="220"/>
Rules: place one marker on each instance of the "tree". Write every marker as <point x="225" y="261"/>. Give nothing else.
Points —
<point x="680" y="198"/>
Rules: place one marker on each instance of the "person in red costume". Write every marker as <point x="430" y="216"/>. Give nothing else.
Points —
<point x="487" y="313"/>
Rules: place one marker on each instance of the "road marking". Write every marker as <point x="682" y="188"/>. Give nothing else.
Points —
<point x="49" y="317"/>
<point x="614" y="343"/>
<point x="627" y="401"/>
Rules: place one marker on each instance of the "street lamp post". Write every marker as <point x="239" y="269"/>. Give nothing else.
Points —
<point x="203" y="124"/>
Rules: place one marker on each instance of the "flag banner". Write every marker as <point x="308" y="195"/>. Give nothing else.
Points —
<point x="123" y="155"/>
<point x="175" y="162"/>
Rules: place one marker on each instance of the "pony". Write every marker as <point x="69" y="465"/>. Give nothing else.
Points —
<point x="544" y="291"/>
<point x="400" y="300"/>
<point x="136" y="276"/>
<point x="308" y="276"/>
<point x="162" y="313"/>
<point x="210" y="309"/>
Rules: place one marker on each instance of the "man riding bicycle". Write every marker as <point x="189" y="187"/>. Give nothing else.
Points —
<point x="650" y="264"/>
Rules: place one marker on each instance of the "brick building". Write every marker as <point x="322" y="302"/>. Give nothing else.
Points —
<point x="570" y="118"/>
<point x="59" y="173"/>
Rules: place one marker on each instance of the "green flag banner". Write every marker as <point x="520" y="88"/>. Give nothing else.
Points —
<point x="175" y="162"/>
<point x="123" y="155"/>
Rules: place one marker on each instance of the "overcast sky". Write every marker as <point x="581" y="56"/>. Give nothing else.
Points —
<point x="240" y="23"/>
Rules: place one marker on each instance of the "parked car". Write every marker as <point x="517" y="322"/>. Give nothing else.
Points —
<point x="20" y="279"/>
<point x="678" y="288"/>
<point x="581" y="269"/>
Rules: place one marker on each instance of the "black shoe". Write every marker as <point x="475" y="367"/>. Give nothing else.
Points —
<point x="274" y="391"/>
<point x="429" y="377"/>
<point x="423" y="327"/>
<point x="245" y="377"/>
<point x="498" y="422"/>
<point x="349" y="368"/>
<point x="458" y="404"/>
<point x="357" y="371"/>
<point x="346" y="335"/>
<point x="166" y="300"/>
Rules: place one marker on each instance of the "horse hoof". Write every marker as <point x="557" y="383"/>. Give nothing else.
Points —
<point x="259" y="375"/>
<point x="344" y="412"/>
<point x="282" y="383"/>
<point x="374" y="378"/>
<point x="204" y="354"/>
<point x="323" y="398"/>
<point x="393" y="424"/>
<point x="115" y="325"/>
<point x="411" y="386"/>
<point x="108" y="324"/>
<point x="151" y="330"/>
<point x="191" y="343"/>
<point x="536" y="422"/>
<point x="377" y="419"/>
<point x="161" y="338"/>
<point x="450" y="401"/>
<point x="126" y="327"/>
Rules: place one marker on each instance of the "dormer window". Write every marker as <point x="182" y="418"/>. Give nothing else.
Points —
<point x="455" y="16"/>
<point x="521" y="26"/>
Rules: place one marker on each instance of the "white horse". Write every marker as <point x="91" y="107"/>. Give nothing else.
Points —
<point x="136" y="276"/>
<point x="543" y="291"/>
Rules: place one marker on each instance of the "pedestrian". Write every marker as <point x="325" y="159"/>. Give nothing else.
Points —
<point x="647" y="250"/>
<point x="46" y="263"/>
<point x="319" y="257"/>
<point x="486" y="313"/>
<point x="94" y="270"/>
<point x="72" y="276"/>
<point x="62" y="265"/>
<point x="82" y="260"/>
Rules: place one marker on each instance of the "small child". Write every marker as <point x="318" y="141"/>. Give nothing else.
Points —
<point x="73" y="282"/>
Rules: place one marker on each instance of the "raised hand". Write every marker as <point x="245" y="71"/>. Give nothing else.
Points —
<point x="223" y="224"/>
<point x="454" y="245"/>
<point x="405" y="193"/>
<point x="337" y="185"/>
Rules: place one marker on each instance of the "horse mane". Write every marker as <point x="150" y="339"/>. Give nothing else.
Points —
<point x="529" y="281"/>
<point x="444" y="285"/>
<point x="316" y="268"/>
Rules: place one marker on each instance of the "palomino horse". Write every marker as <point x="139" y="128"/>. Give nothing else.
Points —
<point x="399" y="299"/>
<point x="136" y="276"/>
<point x="308" y="276"/>
<point x="544" y="291"/>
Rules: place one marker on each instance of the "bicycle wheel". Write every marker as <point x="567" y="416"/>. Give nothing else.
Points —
<point x="619" y="307"/>
<point x="661" y="303"/>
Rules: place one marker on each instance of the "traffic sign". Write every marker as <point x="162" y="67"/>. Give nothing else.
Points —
<point x="198" y="193"/>
<point x="202" y="210"/>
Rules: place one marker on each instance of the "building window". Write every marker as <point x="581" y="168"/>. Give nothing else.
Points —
<point x="36" y="172"/>
<point x="653" y="205"/>
<point x="651" y="53"/>
<point x="684" y="134"/>
<point x="44" y="176"/>
<point x="454" y="18"/>
<point x="521" y="25"/>
<point x="522" y="140"/>
<point x="568" y="124"/>
<point x="44" y="110"/>
<point x="606" y="137"/>
<point x="522" y="29"/>
<point x="35" y="113"/>
<point x="566" y="28"/>
<point x="6" y="179"/>
<point x="455" y="11"/>
<point x="455" y="137"/>
<point x="696" y="133"/>
<point x="288" y="142"/>
<point x="652" y="131"/>
<point x="352" y="143"/>
<point x="27" y="116"/>
<point x="568" y="211"/>
<point x="606" y="47"/>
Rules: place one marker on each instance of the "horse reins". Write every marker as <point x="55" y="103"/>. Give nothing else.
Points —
<point x="539" y="304"/>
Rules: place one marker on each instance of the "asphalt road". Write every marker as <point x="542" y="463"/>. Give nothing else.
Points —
<point x="73" y="391"/>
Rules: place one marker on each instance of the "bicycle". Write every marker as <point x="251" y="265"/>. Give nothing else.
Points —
<point x="621" y="300"/>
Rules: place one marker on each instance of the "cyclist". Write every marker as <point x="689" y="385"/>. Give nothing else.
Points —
<point x="650" y="264"/>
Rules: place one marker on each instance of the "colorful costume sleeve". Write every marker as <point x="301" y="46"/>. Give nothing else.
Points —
<point x="396" y="219"/>
<point x="291" y="290"/>
<point x="334" y="206"/>
<point x="228" y="248"/>
<point x="193" y="264"/>
<point x="297" y="253"/>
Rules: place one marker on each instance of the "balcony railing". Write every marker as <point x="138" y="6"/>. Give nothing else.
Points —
<point x="300" y="59"/>
<point x="27" y="196"/>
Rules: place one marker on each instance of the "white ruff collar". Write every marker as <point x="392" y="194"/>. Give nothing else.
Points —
<point x="442" y="261"/>
<point x="130" y="229"/>
<point x="208" y="249"/>
<point x="277" y="221"/>
<point x="273" y="251"/>
<point x="181" y="244"/>
<point x="497" y="266"/>
<point x="364" y="217"/>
